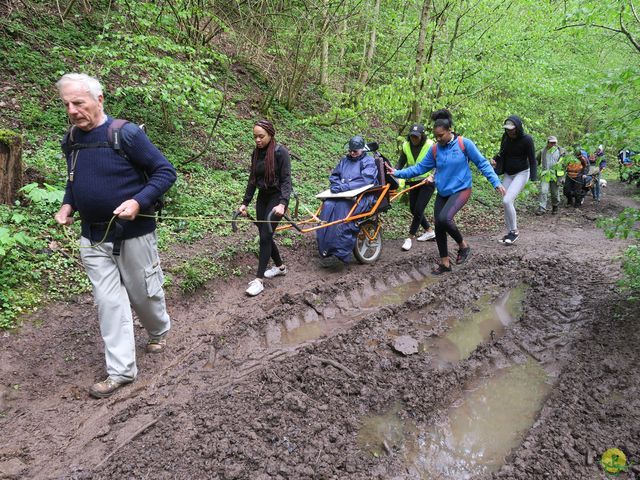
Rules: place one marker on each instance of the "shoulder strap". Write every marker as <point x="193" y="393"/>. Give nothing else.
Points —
<point x="434" y="148"/>
<point x="114" y="138"/>
<point x="113" y="134"/>
<point x="67" y="140"/>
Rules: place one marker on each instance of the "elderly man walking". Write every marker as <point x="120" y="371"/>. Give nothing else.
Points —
<point x="115" y="170"/>
<point x="547" y="158"/>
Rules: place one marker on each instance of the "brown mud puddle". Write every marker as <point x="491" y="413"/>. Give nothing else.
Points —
<point x="281" y="387"/>
<point x="474" y="436"/>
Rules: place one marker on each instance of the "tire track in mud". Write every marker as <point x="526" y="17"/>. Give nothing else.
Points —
<point x="248" y="397"/>
<point x="283" y="401"/>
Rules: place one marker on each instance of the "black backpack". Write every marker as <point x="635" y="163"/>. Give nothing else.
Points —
<point x="115" y="141"/>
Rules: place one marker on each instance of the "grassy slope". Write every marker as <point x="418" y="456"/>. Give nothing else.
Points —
<point x="35" y="49"/>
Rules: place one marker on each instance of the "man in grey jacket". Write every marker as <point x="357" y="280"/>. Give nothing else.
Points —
<point x="547" y="158"/>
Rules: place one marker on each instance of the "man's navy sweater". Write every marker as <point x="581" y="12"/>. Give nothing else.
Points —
<point x="103" y="179"/>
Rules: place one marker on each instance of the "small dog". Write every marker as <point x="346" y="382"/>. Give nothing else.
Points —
<point x="603" y="183"/>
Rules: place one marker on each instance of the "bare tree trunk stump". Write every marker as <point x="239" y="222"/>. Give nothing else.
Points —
<point x="10" y="165"/>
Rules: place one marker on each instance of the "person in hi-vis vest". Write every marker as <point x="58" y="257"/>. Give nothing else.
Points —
<point x="413" y="150"/>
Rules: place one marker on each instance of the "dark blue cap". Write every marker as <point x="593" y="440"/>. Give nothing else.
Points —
<point x="356" y="143"/>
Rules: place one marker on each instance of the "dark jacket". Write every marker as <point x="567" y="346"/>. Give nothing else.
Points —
<point x="103" y="179"/>
<point x="352" y="173"/>
<point x="349" y="174"/>
<point x="283" y="176"/>
<point x="519" y="153"/>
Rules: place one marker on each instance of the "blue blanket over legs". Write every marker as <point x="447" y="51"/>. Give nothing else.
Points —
<point x="351" y="173"/>
<point x="339" y="240"/>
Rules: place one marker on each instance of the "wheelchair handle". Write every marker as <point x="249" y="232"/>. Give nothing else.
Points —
<point x="286" y="217"/>
<point x="234" y="218"/>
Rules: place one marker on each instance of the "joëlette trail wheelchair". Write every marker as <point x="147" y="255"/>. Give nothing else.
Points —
<point x="368" y="244"/>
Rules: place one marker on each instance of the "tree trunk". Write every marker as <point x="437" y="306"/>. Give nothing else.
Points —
<point x="10" y="167"/>
<point x="416" y="108"/>
<point x="324" y="59"/>
<point x="368" y="60"/>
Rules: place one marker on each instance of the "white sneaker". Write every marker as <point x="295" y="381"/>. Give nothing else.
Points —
<point x="255" y="287"/>
<point x="406" y="245"/>
<point x="426" y="236"/>
<point x="275" y="271"/>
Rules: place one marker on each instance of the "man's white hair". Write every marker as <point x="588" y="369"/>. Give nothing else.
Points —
<point x="90" y="83"/>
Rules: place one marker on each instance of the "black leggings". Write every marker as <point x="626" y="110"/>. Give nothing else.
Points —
<point x="418" y="200"/>
<point x="268" y="249"/>
<point x="444" y="210"/>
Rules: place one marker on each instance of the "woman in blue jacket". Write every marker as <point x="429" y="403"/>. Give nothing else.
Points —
<point x="450" y="157"/>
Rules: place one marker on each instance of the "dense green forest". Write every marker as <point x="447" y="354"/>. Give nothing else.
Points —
<point x="198" y="73"/>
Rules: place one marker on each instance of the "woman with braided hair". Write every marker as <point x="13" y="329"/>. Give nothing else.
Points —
<point x="271" y="175"/>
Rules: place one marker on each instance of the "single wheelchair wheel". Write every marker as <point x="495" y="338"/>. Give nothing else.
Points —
<point x="368" y="242"/>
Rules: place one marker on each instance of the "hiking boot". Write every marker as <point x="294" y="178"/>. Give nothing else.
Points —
<point x="463" y="254"/>
<point x="540" y="211"/>
<point x="407" y="244"/>
<point x="554" y="210"/>
<point x="255" y="287"/>
<point x="428" y="235"/>
<point x="511" y="238"/>
<point x="275" y="271"/>
<point x="105" y="388"/>
<point x="156" y="345"/>
<point x="440" y="269"/>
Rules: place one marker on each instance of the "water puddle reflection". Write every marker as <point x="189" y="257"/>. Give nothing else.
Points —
<point x="474" y="436"/>
<point x="482" y="429"/>
<point x="346" y="309"/>
<point x="464" y="335"/>
<point x="400" y="293"/>
<point x="380" y="434"/>
<point x="306" y="332"/>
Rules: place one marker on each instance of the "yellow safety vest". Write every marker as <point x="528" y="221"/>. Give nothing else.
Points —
<point x="406" y="148"/>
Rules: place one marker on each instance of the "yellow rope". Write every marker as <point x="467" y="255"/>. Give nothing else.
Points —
<point x="165" y="217"/>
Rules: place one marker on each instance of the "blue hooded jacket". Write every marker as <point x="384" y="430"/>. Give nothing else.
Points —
<point x="453" y="173"/>
<point x="349" y="174"/>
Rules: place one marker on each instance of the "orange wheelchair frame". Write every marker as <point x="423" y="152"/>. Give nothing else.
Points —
<point x="368" y="245"/>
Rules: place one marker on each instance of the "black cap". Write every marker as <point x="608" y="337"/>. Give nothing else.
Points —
<point x="416" y="130"/>
<point x="356" y="143"/>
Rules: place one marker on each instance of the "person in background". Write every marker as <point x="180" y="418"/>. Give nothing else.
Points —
<point x="120" y="256"/>
<point x="597" y="163"/>
<point x="450" y="158"/>
<point x="270" y="174"/>
<point x="518" y="159"/>
<point x="413" y="150"/>
<point x="576" y="178"/>
<point x="548" y="157"/>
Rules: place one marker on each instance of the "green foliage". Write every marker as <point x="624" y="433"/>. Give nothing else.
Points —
<point x="631" y="267"/>
<point x="8" y="136"/>
<point x="33" y="268"/>
<point x="49" y="194"/>
<point x="162" y="65"/>
<point x="627" y="225"/>
<point x="196" y="272"/>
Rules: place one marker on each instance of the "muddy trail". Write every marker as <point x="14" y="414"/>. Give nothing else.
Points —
<point x="520" y="364"/>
